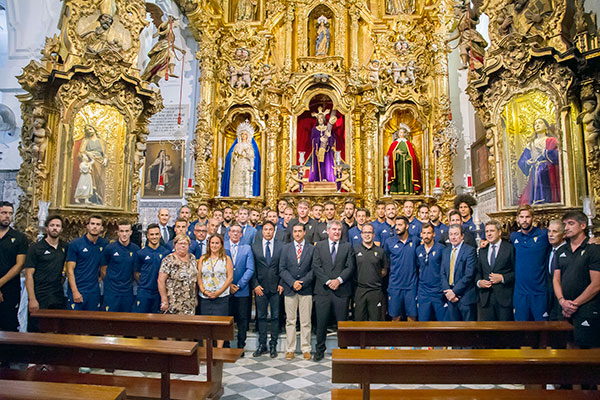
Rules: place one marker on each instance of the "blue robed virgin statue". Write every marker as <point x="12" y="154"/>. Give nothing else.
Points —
<point x="241" y="173"/>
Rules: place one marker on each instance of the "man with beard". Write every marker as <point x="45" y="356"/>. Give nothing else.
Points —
<point x="13" y="248"/>
<point x="83" y="267"/>
<point x="43" y="271"/>
<point x="402" y="287"/>
<point x="435" y="213"/>
<point x="577" y="281"/>
<point x="166" y="232"/>
<point x="556" y="237"/>
<point x="202" y="219"/>
<point x="354" y="234"/>
<point x="464" y="204"/>
<point x="304" y="219"/>
<point x="227" y="220"/>
<point x="429" y="292"/>
<point x="147" y="265"/>
<point x="348" y="219"/>
<point x="531" y="247"/>
<point x="117" y="270"/>
<point x="254" y="218"/>
<point x="370" y="270"/>
<point x="388" y="228"/>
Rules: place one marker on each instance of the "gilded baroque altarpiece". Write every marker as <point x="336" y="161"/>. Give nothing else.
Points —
<point x="283" y="65"/>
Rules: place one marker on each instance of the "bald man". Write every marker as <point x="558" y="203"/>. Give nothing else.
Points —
<point x="166" y="232"/>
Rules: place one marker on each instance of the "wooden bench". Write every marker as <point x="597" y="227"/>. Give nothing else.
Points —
<point x="185" y="327"/>
<point x="19" y="390"/>
<point x="466" y="394"/>
<point x="502" y="366"/>
<point x="147" y="355"/>
<point x="481" y="334"/>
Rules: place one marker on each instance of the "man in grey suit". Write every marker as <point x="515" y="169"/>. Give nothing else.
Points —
<point x="296" y="277"/>
<point x="496" y="276"/>
<point x="333" y="265"/>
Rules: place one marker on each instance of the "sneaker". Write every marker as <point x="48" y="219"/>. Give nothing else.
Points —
<point x="289" y="356"/>
<point x="307" y="355"/>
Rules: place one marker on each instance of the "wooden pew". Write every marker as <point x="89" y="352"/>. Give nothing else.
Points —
<point x="466" y="394"/>
<point x="503" y="366"/>
<point x="185" y="327"/>
<point x="481" y="334"/>
<point x="20" y="390"/>
<point x="147" y="355"/>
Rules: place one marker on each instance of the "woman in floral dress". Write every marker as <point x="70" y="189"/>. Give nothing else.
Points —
<point x="177" y="279"/>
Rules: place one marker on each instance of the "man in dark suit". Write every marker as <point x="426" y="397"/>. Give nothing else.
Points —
<point x="459" y="266"/>
<point x="303" y="218"/>
<point x="265" y="283"/>
<point x="496" y="276"/>
<point x="243" y="269"/>
<point x="296" y="277"/>
<point x="556" y="237"/>
<point x="167" y="233"/>
<point x="333" y="265"/>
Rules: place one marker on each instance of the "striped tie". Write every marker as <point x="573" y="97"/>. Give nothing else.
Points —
<point x="299" y="252"/>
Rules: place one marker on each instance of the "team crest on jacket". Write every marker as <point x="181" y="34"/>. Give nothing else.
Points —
<point x="535" y="239"/>
<point x="375" y="253"/>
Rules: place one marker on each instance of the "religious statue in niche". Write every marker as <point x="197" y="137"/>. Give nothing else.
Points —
<point x="246" y="10"/>
<point x="396" y="7"/>
<point x="404" y="172"/>
<point x="471" y="44"/>
<point x="323" y="147"/>
<point x="241" y="173"/>
<point x="239" y="70"/>
<point x="163" y="53"/>
<point x="323" y="36"/>
<point x="539" y="163"/>
<point x="92" y="165"/>
<point x="40" y="138"/>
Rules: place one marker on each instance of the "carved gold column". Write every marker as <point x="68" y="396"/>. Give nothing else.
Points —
<point x="354" y="16"/>
<point x="289" y="19"/>
<point x="273" y="117"/>
<point x="285" y="158"/>
<point x="369" y="131"/>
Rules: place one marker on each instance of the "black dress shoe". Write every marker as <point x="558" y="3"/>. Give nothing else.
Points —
<point x="318" y="356"/>
<point x="273" y="352"/>
<point x="259" y="351"/>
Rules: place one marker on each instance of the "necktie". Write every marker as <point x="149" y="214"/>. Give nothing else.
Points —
<point x="333" y="253"/>
<point x="268" y="253"/>
<point x="299" y="252"/>
<point x="493" y="256"/>
<point x="165" y="234"/>
<point x="200" y="245"/>
<point x="551" y="263"/>
<point x="234" y="252"/>
<point x="452" y="260"/>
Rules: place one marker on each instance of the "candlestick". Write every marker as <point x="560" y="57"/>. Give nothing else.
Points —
<point x="301" y="158"/>
<point x="160" y="187"/>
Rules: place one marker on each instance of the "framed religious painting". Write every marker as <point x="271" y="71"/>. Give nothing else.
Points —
<point x="482" y="176"/>
<point x="163" y="169"/>
<point x="532" y="148"/>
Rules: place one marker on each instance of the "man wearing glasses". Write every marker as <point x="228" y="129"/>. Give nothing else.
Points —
<point x="370" y="270"/>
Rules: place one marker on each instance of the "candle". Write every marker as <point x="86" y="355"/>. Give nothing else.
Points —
<point x="469" y="181"/>
<point x="190" y="183"/>
<point x="301" y="158"/>
<point x="386" y="162"/>
<point x="437" y="182"/>
<point x="220" y="163"/>
<point x="160" y="181"/>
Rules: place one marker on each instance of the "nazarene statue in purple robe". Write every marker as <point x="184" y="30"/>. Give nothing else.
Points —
<point x="323" y="147"/>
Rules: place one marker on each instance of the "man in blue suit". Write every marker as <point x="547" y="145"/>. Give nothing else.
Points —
<point x="243" y="269"/>
<point x="458" y="271"/>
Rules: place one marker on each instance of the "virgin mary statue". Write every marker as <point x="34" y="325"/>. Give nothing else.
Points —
<point x="241" y="174"/>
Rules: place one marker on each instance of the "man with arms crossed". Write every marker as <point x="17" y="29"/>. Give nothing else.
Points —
<point x="370" y="270"/>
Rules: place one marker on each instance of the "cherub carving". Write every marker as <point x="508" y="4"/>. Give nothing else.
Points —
<point x="590" y="116"/>
<point x="39" y="138"/>
<point x="239" y="70"/>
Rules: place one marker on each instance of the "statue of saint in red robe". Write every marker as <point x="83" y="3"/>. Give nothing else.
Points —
<point x="404" y="175"/>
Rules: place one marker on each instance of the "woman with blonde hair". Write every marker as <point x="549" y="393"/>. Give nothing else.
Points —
<point x="177" y="279"/>
<point x="214" y="277"/>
